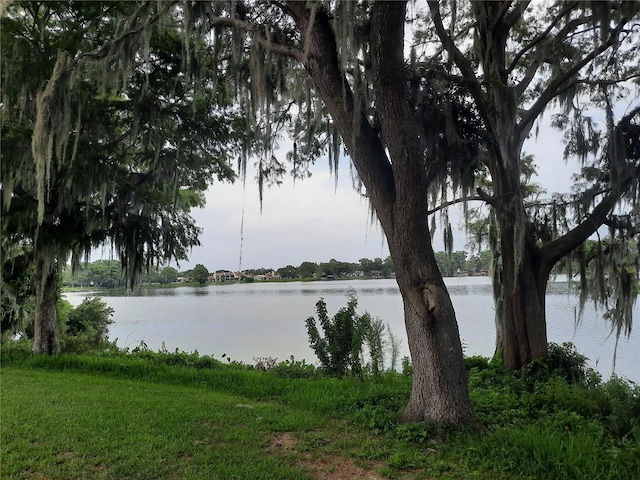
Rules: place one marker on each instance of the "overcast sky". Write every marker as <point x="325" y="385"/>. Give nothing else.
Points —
<point x="315" y="221"/>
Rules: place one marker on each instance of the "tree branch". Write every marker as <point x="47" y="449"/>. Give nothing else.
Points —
<point x="514" y="15"/>
<point x="535" y="64"/>
<point x="556" y="249"/>
<point x="459" y="59"/>
<point x="457" y="56"/>
<point x="504" y="8"/>
<point x="131" y="29"/>
<point x="562" y="246"/>
<point x="455" y="202"/>
<point x="361" y="139"/>
<point x="606" y="83"/>
<point x="552" y="89"/>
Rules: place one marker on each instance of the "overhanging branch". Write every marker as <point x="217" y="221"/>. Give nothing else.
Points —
<point x="455" y="202"/>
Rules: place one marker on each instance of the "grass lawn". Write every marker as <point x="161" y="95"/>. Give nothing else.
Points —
<point x="187" y="417"/>
<point x="64" y="425"/>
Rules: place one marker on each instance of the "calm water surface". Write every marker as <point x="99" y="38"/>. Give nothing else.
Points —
<point x="246" y="321"/>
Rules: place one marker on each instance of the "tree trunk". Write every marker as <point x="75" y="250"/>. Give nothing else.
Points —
<point x="393" y="172"/>
<point x="46" y="338"/>
<point x="521" y="326"/>
<point x="439" y="392"/>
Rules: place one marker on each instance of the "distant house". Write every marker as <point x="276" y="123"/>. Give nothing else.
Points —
<point x="273" y="275"/>
<point x="225" y="276"/>
<point x="182" y="279"/>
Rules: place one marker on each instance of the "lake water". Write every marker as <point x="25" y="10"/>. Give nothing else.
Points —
<point x="247" y="321"/>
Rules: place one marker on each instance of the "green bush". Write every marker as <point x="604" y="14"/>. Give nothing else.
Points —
<point x="293" y="368"/>
<point x="85" y="327"/>
<point x="92" y="317"/>
<point x="340" y="348"/>
<point x="560" y="389"/>
<point x="618" y="403"/>
<point x="561" y="361"/>
<point x="374" y="338"/>
<point x="477" y="362"/>
<point x="407" y="367"/>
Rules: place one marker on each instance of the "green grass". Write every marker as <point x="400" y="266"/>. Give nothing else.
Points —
<point x="71" y="425"/>
<point x="150" y="415"/>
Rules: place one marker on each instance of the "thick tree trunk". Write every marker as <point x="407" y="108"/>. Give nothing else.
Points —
<point x="393" y="172"/>
<point x="439" y="390"/>
<point x="521" y="326"/>
<point x="439" y="393"/>
<point x="46" y="338"/>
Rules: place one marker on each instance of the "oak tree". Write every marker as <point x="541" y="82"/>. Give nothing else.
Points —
<point x="106" y="137"/>
<point x="335" y="73"/>
<point x="514" y="61"/>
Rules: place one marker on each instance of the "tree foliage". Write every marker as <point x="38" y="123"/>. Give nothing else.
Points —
<point x="17" y="298"/>
<point x="200" y="274"/>
<point x="579" y="60"/>
<point x="108" y="137"/>
<point x="138" y="152"/>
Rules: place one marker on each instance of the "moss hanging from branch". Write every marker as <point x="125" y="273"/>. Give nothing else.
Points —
<point x="52" y="126"/>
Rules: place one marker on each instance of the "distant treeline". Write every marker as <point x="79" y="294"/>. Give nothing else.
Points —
<point x="107" y="273"/>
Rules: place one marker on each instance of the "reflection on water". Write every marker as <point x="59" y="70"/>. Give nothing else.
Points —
<point x="469" y="290"/>
<point x="247" y="321"/>
<point x="200" y="291"/>
<point x="141" y="292"/>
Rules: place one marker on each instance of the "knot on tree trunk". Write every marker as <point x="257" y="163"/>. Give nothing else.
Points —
<point x="426" y="299"/>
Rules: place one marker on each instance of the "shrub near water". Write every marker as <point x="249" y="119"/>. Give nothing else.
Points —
<point x="340" y="347"/>
<point x="555" y="419"/>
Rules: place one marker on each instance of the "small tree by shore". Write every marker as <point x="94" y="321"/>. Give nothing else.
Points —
<point x="200" y="274"/>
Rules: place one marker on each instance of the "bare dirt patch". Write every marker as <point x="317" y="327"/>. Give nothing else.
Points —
<point x="283" y="441"/>
<point x="340" y="468"/>
<point x="324" y="466"/>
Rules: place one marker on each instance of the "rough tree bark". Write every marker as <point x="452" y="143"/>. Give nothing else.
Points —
<point x="521" y="328"/>
<point x="46" y="338"/>
<point x="393" y="172"/>
<point x="520" y="283"/>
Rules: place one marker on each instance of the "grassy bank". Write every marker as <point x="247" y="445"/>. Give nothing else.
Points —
<point x="150" y="415"/>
